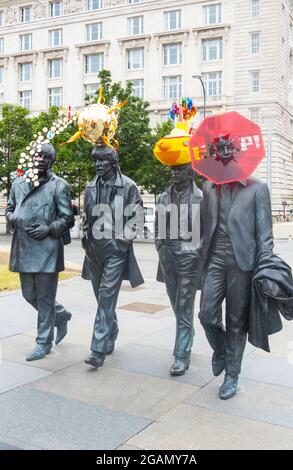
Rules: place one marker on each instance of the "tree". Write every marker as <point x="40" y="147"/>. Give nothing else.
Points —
<point x="152" y="175"/>
<point x="134" y="133"/>
<point x="73" y="161"/>
<point x="15" y="134"/>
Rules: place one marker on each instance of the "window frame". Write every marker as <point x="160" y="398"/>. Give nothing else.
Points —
<point x="170" y="96"/>
<point x="87" y="61"/>
<point x="219" y="14"/>
<point x="21" y="99"/>
<point x="167" y="20"/>
<point x="131" y="52"/>
<point x="167" y="55"/>
<point x="51" y="96"/>
<point x="206" y="50"/>
<point x="20" y="75"/>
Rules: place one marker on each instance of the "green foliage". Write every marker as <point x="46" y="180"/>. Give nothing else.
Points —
<point x="153" y="176"/>
<point x="73" y="163"/>
<point x="15" y="134"/>
<point x="134" y="133"/>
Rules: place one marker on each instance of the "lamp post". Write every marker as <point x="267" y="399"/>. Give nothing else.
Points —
<point x="199" y="77"/>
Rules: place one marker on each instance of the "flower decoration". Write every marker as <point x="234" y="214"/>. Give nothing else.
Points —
<point x="26" y="165"/>
<point x="97" y="123"/>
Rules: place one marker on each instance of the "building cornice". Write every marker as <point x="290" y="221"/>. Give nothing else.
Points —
<point x="54" y="53"/>
<point x="75" y="15"/>
<point x="92" y="47"/>
<point x="138" y="40"/>
<point x="171" y="36"/>
<point x="24" y="56"/>
<point x="210" y="31"/>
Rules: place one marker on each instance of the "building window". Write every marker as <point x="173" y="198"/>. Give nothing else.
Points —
<point x="131" y="2"/>
<point x="173" y="54"/>
<point x="135" y="25"/>
<point x="55" y="68"/>
<point x="135" y="59"/>
<point x="138" y="87"/>
<point x="212" y="49"/>
<point x="213" y="83"/>
<point x="55" y="9"/>
<point x="25" y="42"/>
<point x="172" y="87"/>
<point x="254" y="115"/>
<point x="212" y="14"/>
<point x="25" y="99"/>
<point x="94" y="32"/>
<point x="165" y="118"/>
<point x="254" y="43"/>
<point x="93" y="63"/>
<point x="2" y="18"/>
<point x="55" y="37"/>
<point x="91" y="89"/>
<point x="1" y="74"/>
<point x="25" y="72"/>
<point x="254" y="81"/>
<point x="25" y="14"/>
<point x="172" y="20"/>
<point x="255" y="7"/>
<point x="1" y="99"/>
<point x="55" y="97"/>
<point x="94" y="4"/>
<point x="1" y="45"/>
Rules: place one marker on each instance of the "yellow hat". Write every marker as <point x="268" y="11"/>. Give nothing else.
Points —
<point x="173" y="149"/>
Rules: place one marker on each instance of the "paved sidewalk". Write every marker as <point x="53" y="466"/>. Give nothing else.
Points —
<point x="132" y="402"/>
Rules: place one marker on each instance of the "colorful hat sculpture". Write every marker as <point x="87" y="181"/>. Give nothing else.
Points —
<point x="97" y="123"/>
<point x="239" y="141"/>
<point x="173" y="149"/>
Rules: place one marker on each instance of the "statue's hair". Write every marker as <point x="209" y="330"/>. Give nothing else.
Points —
<point x="48" y="151"/>
<point x="106" y="151"/>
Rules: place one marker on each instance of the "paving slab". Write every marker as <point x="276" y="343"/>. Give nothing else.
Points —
<point x="157" y="362"/>
<point x="5" y="446"/>
<point x="265" y="367"/>
<point x="256" y="400"/>
<point x="281" y="344"/>
<point x="17" y="347"/>
<point x="195" y="428"/>
<point x="53" y="422"/>
<point x="116" y="389"/>
<point x="126" y="447"/>
<point x="165" y="339"/>
<point x="14" y="375"/>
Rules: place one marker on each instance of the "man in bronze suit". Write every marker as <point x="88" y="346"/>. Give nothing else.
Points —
<point x="237" y="228"/>
<point x="40" y="217"/>
<point x="109" y="259"/>
<point x="179" y="259"/>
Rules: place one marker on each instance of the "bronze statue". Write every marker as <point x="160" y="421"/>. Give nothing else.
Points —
<point x="179" y="258"/>
<point x="109" y="258"/>
<point x="237" y="229"/>
<point x="40" y="217"/>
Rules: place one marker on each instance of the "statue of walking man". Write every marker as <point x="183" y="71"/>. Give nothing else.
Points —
<point x="110" y="199"/>
<point x="40" y="217"/>
<point x="179" y="259"/>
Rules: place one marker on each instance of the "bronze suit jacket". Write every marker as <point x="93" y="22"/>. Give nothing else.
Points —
<point x="48" y="204"/>
<point x="249" y="222"/>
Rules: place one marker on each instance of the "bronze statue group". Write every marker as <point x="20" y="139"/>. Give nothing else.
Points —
<point x="234" y="260"/>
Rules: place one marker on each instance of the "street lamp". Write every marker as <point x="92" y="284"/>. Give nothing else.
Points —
<point x="199" y="77"/>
